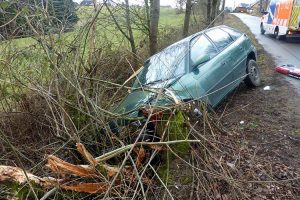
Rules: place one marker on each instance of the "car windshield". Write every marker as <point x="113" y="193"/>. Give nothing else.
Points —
<point x="165" y="65"/>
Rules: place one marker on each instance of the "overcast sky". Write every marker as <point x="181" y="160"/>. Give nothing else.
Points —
<point x="229" y="3"/>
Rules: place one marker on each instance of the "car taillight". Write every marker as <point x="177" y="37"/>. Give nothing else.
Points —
<point x="291" y="33"/>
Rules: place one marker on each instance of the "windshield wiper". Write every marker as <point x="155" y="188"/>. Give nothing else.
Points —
<point x="157" y="81"/>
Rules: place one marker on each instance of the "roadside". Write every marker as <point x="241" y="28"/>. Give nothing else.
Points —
<point x="266" y="123"/>
<point x="283" y="52"/>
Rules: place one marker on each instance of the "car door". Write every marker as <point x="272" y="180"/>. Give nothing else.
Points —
<point x="238" y="54"/>
<point x="196" y="84"/>
<point x="221" y="74"/>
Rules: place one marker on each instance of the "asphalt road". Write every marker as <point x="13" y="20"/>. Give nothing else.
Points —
<point x="283" y="52"/>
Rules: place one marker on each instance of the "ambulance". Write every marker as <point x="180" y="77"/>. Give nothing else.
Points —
<point x="282" y="18"/>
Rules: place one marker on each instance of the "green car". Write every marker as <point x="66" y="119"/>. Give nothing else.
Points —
<point x="205" y="66"/>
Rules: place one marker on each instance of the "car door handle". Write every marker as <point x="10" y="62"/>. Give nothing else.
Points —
<point x="223" y="63"/>
<point x="241" y="48"/>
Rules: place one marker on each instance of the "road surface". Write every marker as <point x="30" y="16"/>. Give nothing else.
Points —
<point x="283" y="52"/>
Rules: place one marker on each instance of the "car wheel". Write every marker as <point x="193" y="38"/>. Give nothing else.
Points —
<point x="253" y="78"/>
<point x="262" y="30"/>
<point x="276" y="34"/>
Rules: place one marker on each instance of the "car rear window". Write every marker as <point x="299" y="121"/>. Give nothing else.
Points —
<point x="220" y="38"/>
<point x="233" y="33"/>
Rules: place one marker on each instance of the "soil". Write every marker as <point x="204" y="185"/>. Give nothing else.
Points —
<point x="267" y="123"/>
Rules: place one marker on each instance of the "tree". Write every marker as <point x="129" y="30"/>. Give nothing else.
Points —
<point x="223" y="10"/>
<point x="188" y="11"/>
<point x="57" y="14"/>
<point x="208" y="12"/>
<point x="154" y="19"/>
<point x="63" y="13"/>
<point x="127" y="33"/>
<point x="260" y="5"/>
<point x="179" y="5"/>
<point x="212" y="10"/>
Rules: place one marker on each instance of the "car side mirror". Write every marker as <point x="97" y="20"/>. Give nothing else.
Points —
<point x="201" y="60"/>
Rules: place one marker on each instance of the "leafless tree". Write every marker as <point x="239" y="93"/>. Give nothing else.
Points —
<point x="188" y="11"/>
<point x="127" y="31"/>
<point x="222" y="10"/>
<point x="260" y="5"/>
<point x="212" y="10"/>
<point x="179" y="5"/>
<point x="154" y="19"/>
<point x="208" y="12"/>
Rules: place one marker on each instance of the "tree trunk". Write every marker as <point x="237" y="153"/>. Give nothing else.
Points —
<point x="154" y="18"/>
<point x="208" y="12"/>
<point x="188" y="10"/>
<point x="260" y="5"/>
<point x="223" y="11"/>
<point x="131" y="38"/>
<point x="214" y="10"/>
<point x="266" y="5"/>
<point x="147" y="14"/>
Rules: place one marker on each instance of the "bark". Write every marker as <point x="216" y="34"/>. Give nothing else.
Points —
<point x="266" y="5"/>
<point x="188" y="11"/>
<point x="214" y="8"/>
<point x="154" y="19"/>
<point x="208" y="12"/>
<point x="131" y="38"/>
<point x="223" y="11"/>
<point x="147" y="15"/>
<point x="260" y="5"/>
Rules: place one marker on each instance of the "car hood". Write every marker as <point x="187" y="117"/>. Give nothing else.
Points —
<point x="138" y="98"/>
<point x="158" y="94"/>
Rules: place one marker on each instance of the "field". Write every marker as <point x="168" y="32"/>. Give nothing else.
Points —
<point x="169" y="18"/>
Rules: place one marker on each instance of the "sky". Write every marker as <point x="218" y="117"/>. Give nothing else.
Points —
<point x="229" y="3"/>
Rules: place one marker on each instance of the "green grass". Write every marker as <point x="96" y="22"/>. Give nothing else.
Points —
<point x="25" y="59"/>
<point x="168" y="17"/>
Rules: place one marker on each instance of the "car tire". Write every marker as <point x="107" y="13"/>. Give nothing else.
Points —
<point x="262" y="30"/>
<point x="276" y="34"/>
<point x="253" y="78"/>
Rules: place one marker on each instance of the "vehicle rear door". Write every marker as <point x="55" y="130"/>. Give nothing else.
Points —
<point x="238" y="54"/>
<point x="221" y="75"/>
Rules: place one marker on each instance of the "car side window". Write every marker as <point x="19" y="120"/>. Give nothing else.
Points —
<point x="201" y="46"/>
<point x="220" y="38"/>
<point x="233" y="33"/>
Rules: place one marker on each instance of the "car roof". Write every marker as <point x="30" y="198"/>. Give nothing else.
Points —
<point x="189" y="38"/>
<point x="206" y="30"/>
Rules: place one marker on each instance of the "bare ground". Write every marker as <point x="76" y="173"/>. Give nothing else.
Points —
<point x="267" y="123"/>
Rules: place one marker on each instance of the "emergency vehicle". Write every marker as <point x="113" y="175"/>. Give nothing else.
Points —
<point x="282" y="18"/>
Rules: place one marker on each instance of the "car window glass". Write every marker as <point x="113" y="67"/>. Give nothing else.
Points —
<point x="233" y="33"/>
<point x="167" y="64"/>
<point x="201" y="46"/>
<point x="219" y="37"/>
